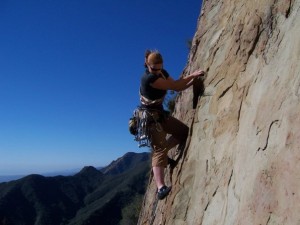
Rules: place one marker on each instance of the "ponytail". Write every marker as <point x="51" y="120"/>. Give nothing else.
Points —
<point x="147" y="53"/>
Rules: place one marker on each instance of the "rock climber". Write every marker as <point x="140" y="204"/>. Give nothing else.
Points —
<point x="166" y="132"/>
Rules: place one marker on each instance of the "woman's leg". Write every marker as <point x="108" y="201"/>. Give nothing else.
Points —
<point x="178" y="130"/>
<point x="159" y="154"/>
<point x="161" y="146"/>
<point x="159" y="176"/>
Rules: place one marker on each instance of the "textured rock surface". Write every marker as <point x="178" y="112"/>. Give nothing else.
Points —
<point x="242" y="162"/>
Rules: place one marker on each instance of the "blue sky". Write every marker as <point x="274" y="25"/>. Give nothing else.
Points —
<point x="70" y="72"/>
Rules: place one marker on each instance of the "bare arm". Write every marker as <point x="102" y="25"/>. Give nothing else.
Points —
<point x="177" y="85"/>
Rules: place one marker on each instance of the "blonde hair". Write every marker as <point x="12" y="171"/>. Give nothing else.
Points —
<point x="153" y="57"/>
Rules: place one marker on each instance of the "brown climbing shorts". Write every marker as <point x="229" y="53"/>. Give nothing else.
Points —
<point x="165" y="136"/>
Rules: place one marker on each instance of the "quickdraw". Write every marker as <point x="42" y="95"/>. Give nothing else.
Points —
<point x="143" y="118"/>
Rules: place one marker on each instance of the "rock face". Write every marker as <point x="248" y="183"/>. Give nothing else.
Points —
<point x="241" y="165"/>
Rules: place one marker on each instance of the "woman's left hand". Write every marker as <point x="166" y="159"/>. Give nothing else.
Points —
<point x="198" y="73"/>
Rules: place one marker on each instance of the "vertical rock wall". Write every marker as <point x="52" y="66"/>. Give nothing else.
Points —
<point x="242" y="161"/>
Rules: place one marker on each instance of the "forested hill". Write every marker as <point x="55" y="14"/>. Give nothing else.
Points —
<point x="112" y="196"/>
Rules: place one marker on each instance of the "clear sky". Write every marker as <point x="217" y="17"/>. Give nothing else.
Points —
<point x="70" y="72"/>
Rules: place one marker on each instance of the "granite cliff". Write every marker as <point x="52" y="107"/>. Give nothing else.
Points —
<point x="241" y="165"/>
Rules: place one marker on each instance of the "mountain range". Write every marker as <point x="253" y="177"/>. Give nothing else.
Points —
<point x="69" y="172"/>
<point x="111" y="195"/>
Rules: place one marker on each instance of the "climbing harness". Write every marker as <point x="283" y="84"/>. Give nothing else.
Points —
<point x="143" y="117"/>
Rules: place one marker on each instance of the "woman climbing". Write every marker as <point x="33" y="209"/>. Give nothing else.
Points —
<point x="154" y="85"/>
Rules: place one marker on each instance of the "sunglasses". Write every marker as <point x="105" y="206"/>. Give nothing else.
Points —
<point x="154" y="69"/>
